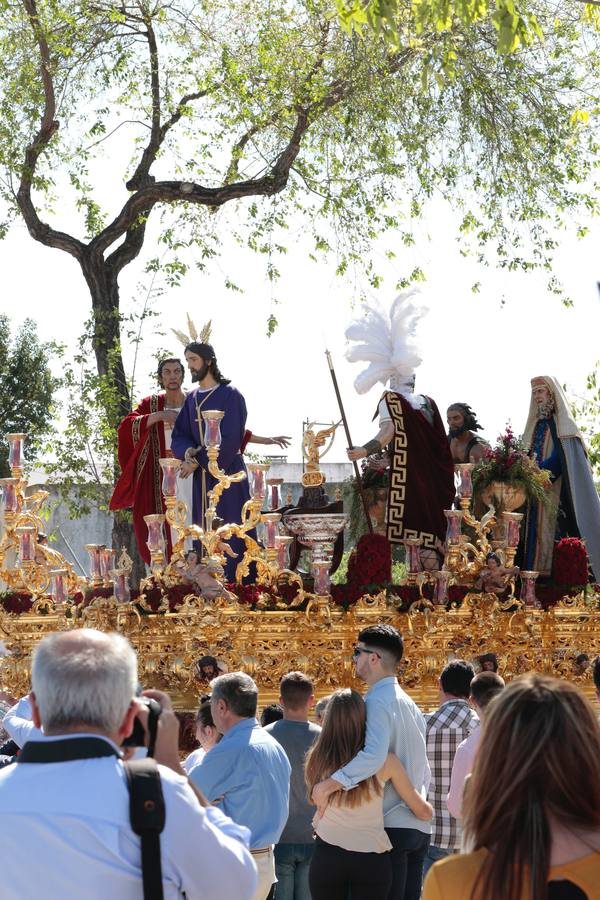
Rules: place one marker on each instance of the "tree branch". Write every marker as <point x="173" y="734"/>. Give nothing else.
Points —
<point x="39" y="230"/>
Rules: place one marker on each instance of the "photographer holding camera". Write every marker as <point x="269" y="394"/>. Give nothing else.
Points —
<point x="65" y="804"/>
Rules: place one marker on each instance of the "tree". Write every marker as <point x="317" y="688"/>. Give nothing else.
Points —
<point x="231" y="103"/>
<point x="28" y="388"/>
<point x="586" y="410"/>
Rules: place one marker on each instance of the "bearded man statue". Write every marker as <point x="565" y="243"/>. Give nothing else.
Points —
<point x="556" y="444"/>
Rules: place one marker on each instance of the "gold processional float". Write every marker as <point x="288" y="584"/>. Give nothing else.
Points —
<point x="309" y="632"/>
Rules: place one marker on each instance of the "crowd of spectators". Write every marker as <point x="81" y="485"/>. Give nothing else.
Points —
<point x="493" y="796"/>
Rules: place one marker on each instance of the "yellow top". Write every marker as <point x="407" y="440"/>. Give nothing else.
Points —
<point x="453" y="878"/>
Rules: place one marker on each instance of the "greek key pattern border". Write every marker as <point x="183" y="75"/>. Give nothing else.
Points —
<point x="396" y="532"/>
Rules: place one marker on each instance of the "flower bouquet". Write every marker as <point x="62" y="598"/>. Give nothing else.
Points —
<point x="509" y="464"/>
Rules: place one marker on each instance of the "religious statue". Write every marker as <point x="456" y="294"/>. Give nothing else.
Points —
<point x="144" y="437"/>
<point x="495" y="577"/>
<point x="465" y="445"/>
<point x="213" y="392"/>
<point x="556" y="444"/>
<point x="421" y="483"/>
<point x="311" y="446"/>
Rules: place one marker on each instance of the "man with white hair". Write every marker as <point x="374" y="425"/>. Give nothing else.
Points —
<point x="248" y="772"/>
<point x="64" y="806"/>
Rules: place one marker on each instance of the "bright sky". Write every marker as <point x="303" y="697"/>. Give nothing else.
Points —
<point x="479" y="348"/>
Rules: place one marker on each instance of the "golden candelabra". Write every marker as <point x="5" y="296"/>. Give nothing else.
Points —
<point x="27" y="563"/>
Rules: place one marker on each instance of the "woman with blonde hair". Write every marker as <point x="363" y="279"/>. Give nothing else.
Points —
<point x="532" y="804"/>
<point x="351" y="846"/>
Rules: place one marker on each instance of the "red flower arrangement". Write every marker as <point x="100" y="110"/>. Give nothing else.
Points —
<point x="570" y="563"/>
<point x="370" y="562"/>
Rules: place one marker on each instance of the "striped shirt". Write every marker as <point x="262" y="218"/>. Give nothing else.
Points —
<point x="447" y="727"/>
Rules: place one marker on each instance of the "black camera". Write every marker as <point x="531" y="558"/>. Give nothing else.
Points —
<point x="137" y="738"/>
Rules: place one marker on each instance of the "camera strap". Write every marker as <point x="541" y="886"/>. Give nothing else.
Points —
<point x="146" y="800"/>
<point x="147" y="815"/>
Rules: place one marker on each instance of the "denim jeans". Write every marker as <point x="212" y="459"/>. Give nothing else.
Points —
<point x="433" y="855"/>
<point x="409" y="847"/>
<point x="292" y="862"/>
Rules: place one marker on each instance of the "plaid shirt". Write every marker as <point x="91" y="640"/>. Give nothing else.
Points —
<point x="447" y="727"/>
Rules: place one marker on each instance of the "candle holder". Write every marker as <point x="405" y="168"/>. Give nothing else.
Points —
<point x="271" y="520"/>
<point x="443" y="580"/>
<point x="26" y="535"/>
<point x="212" y="427"/>
<point x="107" y="562"/>
<point x="11" y="498"/>
<point x="465" y="484"/>
<point x="282" y="546"/>
<point x="454" y="529"/>
<point x="257" y="481"/>
<point x="274" y="485"/>
<point x="322" y="580"/>
<point x="413" y="558"/>
<point x="58" y="587"/>
<point x="15" y="453"/>
<point x="156" y="539"/>
<point x="94" y="555"/>
<point x="528" y="596"/>
<point x="170" y="468"/>
<point x="120" y="576"/>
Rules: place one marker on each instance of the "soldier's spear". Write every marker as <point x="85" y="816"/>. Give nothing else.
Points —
<point x="359" y="483"/>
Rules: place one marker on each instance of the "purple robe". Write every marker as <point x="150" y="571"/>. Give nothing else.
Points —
<point x="233" y="425"/>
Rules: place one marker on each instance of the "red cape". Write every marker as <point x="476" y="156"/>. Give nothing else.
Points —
<point x="422" y="474"/>
<point x="139" y="487"/>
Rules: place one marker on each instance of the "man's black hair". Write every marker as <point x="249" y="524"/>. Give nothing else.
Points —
<point x="170" y="359"/>
<point x="470" y="417"/>
<point x="383" y="637"/>
<point x="271" y="713"/>
<point x="457" y="677"/>
<point x="206" y="352"/>
<point x="596" y="672"/>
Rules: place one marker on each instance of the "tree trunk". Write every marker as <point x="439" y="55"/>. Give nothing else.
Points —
<point x="104" y="289"/>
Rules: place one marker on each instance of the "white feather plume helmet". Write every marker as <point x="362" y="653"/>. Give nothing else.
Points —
<point x="387" y="341"/>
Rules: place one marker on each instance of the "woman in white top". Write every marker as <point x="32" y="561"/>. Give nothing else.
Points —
<point x="206" y="735"/>
<point x="352" y="848"/>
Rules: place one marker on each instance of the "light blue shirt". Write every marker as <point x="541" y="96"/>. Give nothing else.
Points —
<point x="396" y="725"/>
<point x="251" y="772"/>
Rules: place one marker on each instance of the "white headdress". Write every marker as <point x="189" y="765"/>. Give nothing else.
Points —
<point x="388" y="342"/>
<point x="566" y="426"/>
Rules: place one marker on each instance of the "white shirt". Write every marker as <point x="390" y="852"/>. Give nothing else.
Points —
<point x="194" y="759"/>
<point x="66" y="833"/>
<point x="18" y="724"/>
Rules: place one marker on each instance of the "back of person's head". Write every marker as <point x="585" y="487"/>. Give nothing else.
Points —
<point x="271" y="713"/>
<point x="538" y="763"/>
<point x="484" y="687"/>
<point x="387" y="641"/>
<point x="83" y="678"/>
<point x="296" y="690"/>
<point x="321" y="708"/>
<point x="238" y="691"/>
<point x="596" y="673"/>
<point x="204" y="714"/>
<point x="342" y="737"/>
<point x="456" y="678"/>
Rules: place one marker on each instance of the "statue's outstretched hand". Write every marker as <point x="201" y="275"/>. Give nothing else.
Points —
<point x="282" y="440"/>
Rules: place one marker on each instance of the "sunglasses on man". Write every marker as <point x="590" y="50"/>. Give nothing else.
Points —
<point x="359" y="650"/>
